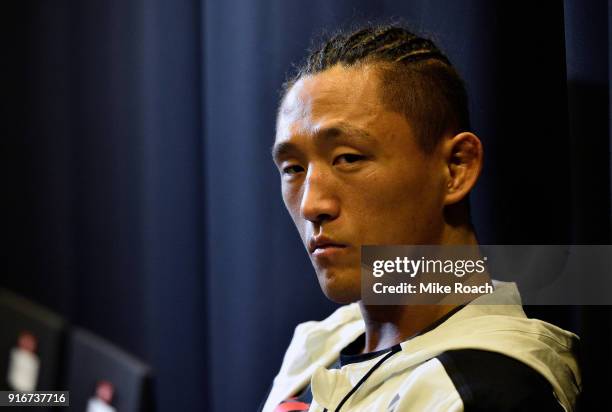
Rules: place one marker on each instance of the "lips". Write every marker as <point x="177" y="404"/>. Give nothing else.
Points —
<point x="322" y="245"/>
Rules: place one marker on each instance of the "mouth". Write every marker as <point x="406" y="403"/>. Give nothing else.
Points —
<point x="325" y="247"/>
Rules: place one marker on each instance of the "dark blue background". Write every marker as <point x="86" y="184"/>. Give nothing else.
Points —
<point x="140" y="200"/>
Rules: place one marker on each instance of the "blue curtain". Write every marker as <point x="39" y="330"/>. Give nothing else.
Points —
<point x="143" y="204"/>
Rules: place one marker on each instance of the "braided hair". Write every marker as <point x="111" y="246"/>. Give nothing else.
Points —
<point x="417" y="79"/>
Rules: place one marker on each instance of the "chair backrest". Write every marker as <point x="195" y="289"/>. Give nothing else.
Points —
<point x="93" y="362"/>
<point x="46" y="331"/>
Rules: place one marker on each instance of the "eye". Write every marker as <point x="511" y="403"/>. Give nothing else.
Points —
<point x="348" y="158"/>
<point x="292" y="169"/>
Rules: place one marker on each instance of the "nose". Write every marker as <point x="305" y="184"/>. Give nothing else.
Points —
<point x="319" y="202"/>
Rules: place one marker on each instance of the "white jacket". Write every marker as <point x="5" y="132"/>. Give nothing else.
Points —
<point x="414" y="373"/>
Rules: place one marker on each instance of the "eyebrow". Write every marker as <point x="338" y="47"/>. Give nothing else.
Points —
<point x="332" y="132"/>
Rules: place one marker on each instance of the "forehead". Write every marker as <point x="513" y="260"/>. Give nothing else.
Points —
<point x="348" y="95"/>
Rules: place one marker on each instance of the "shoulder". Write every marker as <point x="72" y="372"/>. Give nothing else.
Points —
<point x="492" y="381"/>
<point x="332" y="333"/>
<point x="341" y="316"/>
<point x="314" y="344"/>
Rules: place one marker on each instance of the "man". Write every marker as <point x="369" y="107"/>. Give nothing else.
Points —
<point x="374" y="147"/>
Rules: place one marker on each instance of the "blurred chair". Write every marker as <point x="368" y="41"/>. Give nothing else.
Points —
<point x="101" y="373"/>
<point x="30" y="328"/>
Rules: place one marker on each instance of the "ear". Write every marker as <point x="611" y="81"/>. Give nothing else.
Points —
<point x="464" y="156"/>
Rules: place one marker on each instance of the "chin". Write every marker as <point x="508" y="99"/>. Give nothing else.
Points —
<point x="340" y="289"/>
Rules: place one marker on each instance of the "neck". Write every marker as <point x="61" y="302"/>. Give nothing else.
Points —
<point x="389" y="325"/>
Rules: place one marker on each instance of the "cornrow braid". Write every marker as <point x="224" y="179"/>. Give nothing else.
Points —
<point x="385" y="43"/>
<point x="417" y="79"/>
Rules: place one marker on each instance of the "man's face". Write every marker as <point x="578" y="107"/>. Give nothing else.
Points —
<point x="352" y="174"/>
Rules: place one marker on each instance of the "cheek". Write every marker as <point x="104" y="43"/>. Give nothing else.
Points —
<point x="292" y="200"/>
<point x="291" y="197"/>
<point x="393" y="208"/>
<point x="392" y="191"/>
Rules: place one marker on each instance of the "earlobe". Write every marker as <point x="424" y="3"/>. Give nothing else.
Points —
<point x="464" y="161"/>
